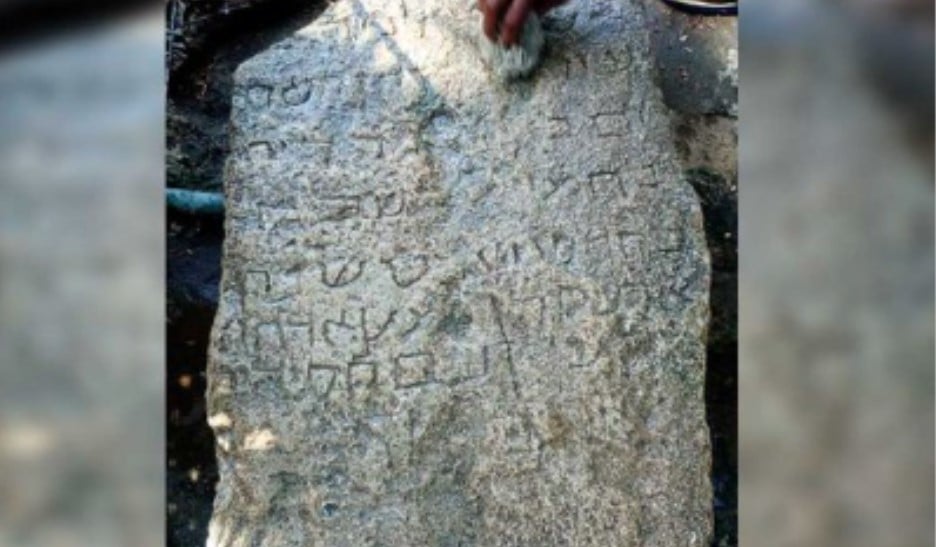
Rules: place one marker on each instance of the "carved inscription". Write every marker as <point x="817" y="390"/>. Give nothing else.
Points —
<point x="322" y="378"/>
<point x="553" y="247"/>
<point x="296" y="93"/>
<point x="450" y="306"/>
<point x="345" y="347"/>
<point x="342" y="271"/>
<point x="267" y="95"/>
<point x="363" y="349"/>
<point x="414" y="369"/>
<point x="360" y="349"/>
<point x="324" y="208"/>
<point x="407" y="269"/>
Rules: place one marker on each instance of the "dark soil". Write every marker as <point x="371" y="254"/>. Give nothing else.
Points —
<point x="720" y="208"/>
<point x="193" y="274"/>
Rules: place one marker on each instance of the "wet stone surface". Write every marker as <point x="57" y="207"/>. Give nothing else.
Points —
<point x="456" y="312"/>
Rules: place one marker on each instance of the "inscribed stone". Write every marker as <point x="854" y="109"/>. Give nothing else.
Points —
<point x="457" y="311"/>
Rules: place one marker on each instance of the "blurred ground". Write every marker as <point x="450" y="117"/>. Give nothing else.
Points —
<point x="837" y="268"/>
<point x="81" y="302"/>
<point x="696" y="60"/>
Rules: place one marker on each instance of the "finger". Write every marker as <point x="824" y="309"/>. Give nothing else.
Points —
<point x="513" y="21"/>
<point x="493" y="9"/>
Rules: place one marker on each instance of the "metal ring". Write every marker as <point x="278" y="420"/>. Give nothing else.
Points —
<point x="705" y="7"/>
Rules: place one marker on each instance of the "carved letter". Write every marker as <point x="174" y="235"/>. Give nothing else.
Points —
<point x="338" y="273"/>
<point x="407" y="269"/>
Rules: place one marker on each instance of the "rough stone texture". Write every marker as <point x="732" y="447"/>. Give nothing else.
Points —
<point x="455" y="311"/>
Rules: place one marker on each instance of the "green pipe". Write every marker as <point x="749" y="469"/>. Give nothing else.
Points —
<point x="195" y="202"/>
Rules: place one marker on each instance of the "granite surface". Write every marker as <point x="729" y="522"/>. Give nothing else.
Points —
<point x="458" y="311"/>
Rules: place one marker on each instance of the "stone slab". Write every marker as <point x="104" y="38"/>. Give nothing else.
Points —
<point x="456" y="311"/>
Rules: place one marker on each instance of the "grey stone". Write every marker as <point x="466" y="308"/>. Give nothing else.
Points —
<point x="457" y="311"/>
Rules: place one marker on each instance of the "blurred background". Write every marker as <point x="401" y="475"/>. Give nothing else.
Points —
<point x="81" y="280"/>
<point x="836" y="273"/>
<point x="836" y="261"/>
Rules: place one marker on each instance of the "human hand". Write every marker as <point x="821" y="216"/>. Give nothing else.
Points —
<point x="504" y="19"/>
